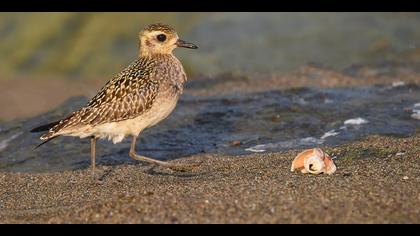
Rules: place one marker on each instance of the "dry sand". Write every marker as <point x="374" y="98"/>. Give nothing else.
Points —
<point x="377" y="181"/>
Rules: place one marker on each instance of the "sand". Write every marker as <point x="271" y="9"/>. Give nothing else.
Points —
<point x="377" y="181"/>
<point x="377" y="178"/>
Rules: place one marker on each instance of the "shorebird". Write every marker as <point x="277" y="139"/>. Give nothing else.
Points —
<point x="140" y="96"/>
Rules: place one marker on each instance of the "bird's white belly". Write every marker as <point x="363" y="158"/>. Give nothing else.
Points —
<point x="117" y="131"/>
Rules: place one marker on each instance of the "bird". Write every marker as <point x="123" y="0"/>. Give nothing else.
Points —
<point x="139" y="97"/>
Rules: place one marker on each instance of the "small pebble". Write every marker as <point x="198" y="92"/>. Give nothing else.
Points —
<point x="405" y="177"/>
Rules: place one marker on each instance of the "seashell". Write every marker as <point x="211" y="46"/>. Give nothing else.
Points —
<point x="314" y="161"/>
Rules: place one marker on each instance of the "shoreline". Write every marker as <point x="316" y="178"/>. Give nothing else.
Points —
<point x="34" y="102"/>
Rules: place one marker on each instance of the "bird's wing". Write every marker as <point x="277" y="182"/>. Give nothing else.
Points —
<point x="126" y="96"/>
<point x="125" y="99"/>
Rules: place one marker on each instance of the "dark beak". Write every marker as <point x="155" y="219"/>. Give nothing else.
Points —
<point x="183" y="44"/>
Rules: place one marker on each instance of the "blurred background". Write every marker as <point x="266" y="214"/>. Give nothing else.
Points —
<point x="44" y="52"/>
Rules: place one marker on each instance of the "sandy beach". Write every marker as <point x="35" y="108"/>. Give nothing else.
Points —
<point x="377" y="181"/>
<point x="377" y="178"/>
<point x="250" y="105"/>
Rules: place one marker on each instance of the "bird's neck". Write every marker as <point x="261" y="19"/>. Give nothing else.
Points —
<point x="156" y="56"/>
<point x="167" y="66"/>
<point x="153" y="53"/>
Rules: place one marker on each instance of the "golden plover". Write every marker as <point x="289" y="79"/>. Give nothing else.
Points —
<point x="140" y="96"/>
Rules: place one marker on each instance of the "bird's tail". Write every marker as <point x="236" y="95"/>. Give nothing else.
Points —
<point x="44" y="127"/>
<point x="47" y="136"/>
<point x="55" y="129"/>
<point x="46" y="141"/>
<point x="52" y="129"/>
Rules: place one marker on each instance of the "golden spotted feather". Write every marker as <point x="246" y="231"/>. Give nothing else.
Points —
<point x="126" y="96"/>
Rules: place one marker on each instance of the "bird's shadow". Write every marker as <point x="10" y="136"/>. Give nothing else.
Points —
<point x="147" y="168"/>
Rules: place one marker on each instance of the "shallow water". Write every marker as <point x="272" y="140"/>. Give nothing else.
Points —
<point x="233" y="124"/>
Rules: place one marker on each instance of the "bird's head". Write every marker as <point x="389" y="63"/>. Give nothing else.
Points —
<point x="160" y="39"/>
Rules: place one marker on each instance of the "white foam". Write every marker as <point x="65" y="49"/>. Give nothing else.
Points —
<point x="416" y="111"/>
<point x="4" y="143"/>
<point x="356" y="121"/>
<point x="398" y="83"/>
<point x="416" y="115"/>
<point x="311" y="140"/>
<point x="257" y="148"/>
<point x="308" y="141"/>
<point x="329" y="134"/>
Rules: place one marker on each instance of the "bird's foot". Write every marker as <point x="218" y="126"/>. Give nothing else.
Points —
<point x="173" y="166"/>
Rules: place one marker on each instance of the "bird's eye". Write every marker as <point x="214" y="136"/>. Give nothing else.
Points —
<point x="161" y="37"/>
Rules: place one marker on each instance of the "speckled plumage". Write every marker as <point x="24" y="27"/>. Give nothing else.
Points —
<point x="138" y="97"/>
<point x="160" y="27"/>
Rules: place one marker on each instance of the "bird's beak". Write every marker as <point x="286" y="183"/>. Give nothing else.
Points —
<point x="183" y="44"/>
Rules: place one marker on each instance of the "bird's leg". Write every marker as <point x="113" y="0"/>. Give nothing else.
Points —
<point x="93" y="154"/>
<point x="173" y="166"/>
<point x="134" y="155"/>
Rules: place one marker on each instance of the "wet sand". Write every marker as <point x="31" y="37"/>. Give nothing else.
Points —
<point x="377" y="181"/>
